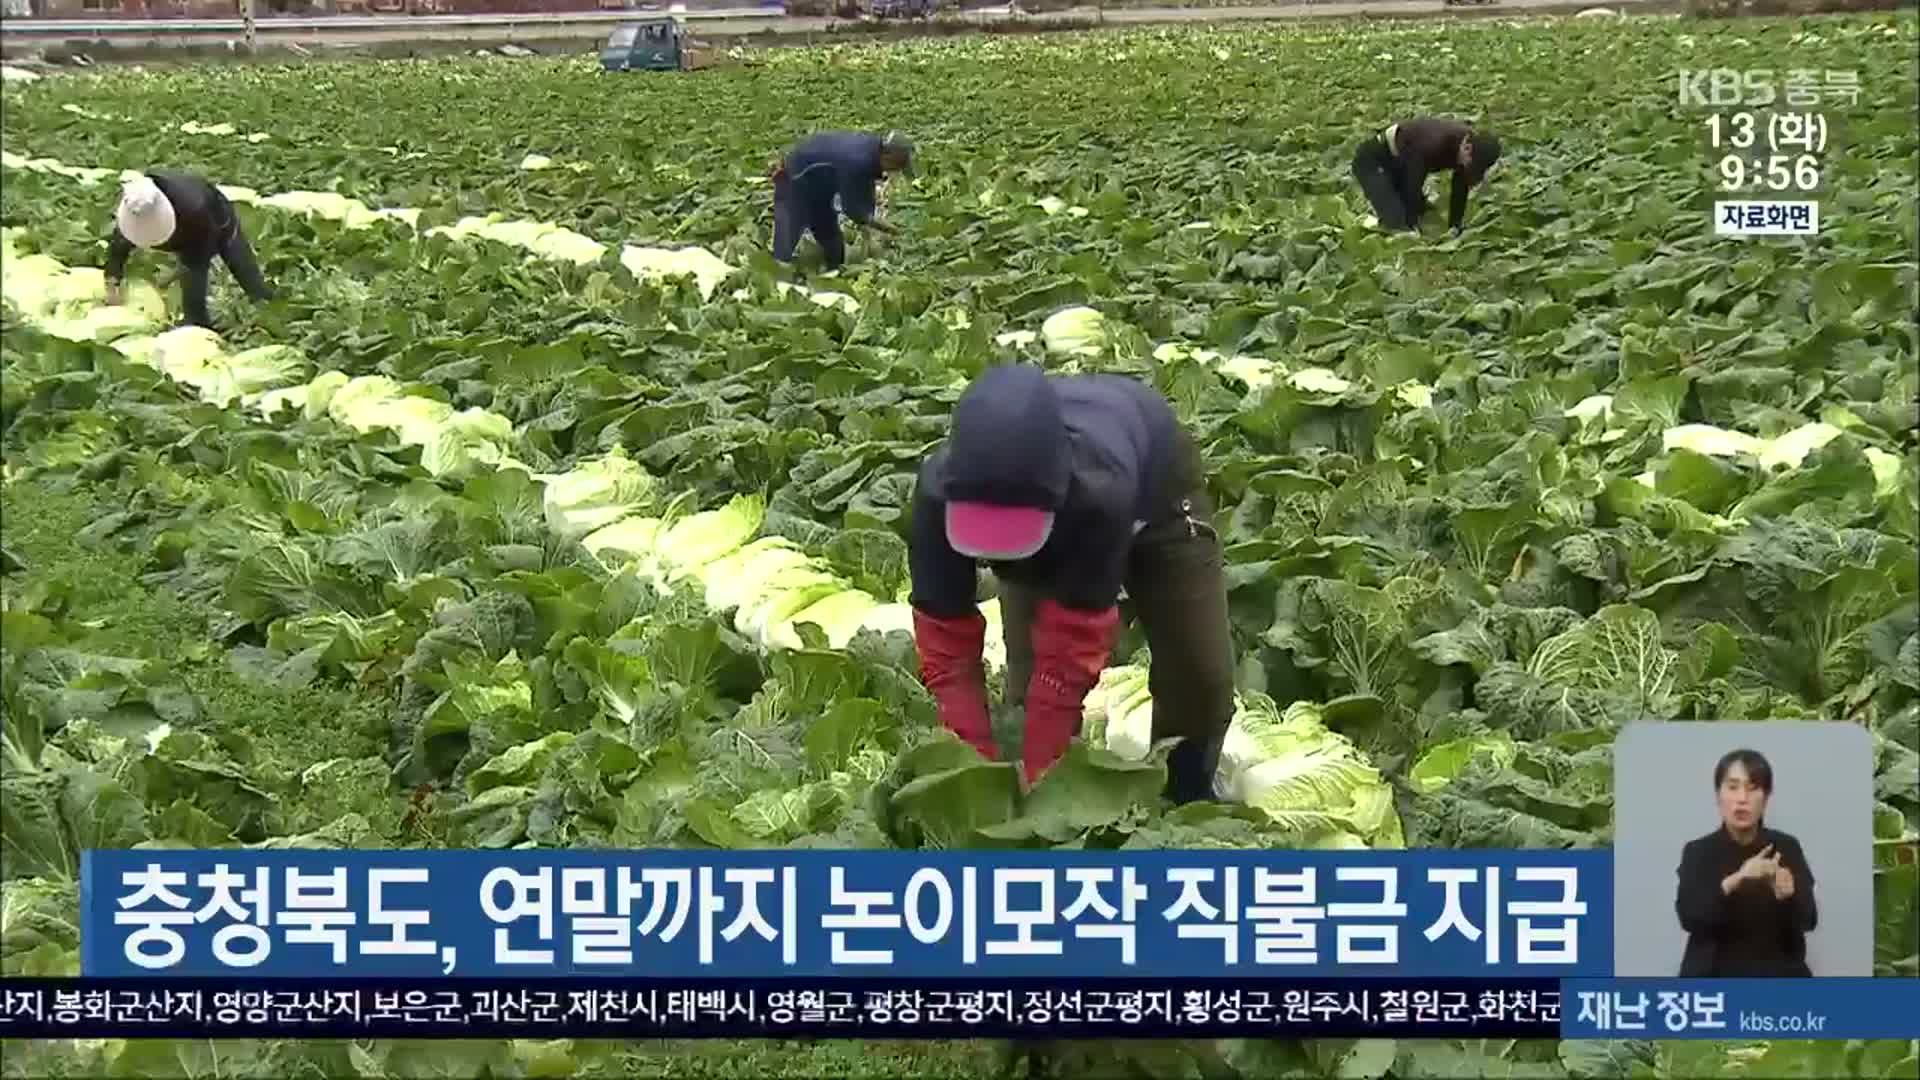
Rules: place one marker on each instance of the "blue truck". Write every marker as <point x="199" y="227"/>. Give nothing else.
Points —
<point x="660" y="44"/>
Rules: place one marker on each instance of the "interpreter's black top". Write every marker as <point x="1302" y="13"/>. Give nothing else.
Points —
<point x="1125" y="465"/>
<point x="202" y="220"/>
<point x="1746" y="934"/>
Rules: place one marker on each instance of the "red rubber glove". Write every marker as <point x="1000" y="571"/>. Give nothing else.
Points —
<point x="1070" y="648"/>
<point x="951" y="666"/>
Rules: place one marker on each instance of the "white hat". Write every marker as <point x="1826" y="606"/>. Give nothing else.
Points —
<point x="145" y="216"/>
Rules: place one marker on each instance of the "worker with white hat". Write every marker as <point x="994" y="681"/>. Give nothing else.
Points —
<point x="185" y="215"/>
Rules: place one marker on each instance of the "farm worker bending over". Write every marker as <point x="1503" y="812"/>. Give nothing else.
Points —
<point x="183" y="214"/>
<point x="825" y="175"/>
<point x="1072" y="488"/>
<point x="1392" y="168"/>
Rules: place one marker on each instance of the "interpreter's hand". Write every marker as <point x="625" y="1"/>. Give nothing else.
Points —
<point x="115" y="294"/>
<point x="1761" y="865"/>
<point x="1782" y="883"/>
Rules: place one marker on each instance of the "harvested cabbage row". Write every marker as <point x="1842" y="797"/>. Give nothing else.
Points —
<point x="770" y="585"/>
<point x="539" y="239"/>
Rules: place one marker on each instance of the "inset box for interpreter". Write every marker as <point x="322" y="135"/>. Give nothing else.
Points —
<point x="1743" y="850"/>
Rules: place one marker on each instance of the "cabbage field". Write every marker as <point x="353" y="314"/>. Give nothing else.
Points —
<point x="541" y="508"/>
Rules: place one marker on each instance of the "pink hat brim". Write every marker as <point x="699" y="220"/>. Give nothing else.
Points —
<point x="985" y="531"/>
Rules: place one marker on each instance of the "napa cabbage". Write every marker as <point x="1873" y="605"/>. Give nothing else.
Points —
<point x="735" y="578"/>
<point x="595" y="494"/>
<point x="224" y="378"/>
<point x="538" y="237"/>
<point x="824" y="298"/>
<point x="1414" y="394"/>
<point x="788" y="593"/>
<point x="1253" y="371"/>
<point x="293" y="398"/>
<point x="889" y="618"/>
<point x="70" y="302"/>
<point x="566" y="245"/>
<point x="1318" y="380"/>
<point x="1784" y="451"/>
<point x="1305" y="776"/>
<point x="467" y="438"/>
<point x="321" y="392"/>
<point x="657" y="264"/>
<point x="1287" y="763"/>
<point x="368" y="402"/>
<point x="1440" y="764"/>
<point x="839" y="615"/>
<point x="101" y="324"/>
<point x="88" y="177"/>
<point x="310" y="400"/>
<point x="451" y="441"/>
<point x="1591" y="408"/>
<point x="183" y="349"/>
<point x="333" y="206"/>
<point x="629" y="539"/>
<point x="698" y="539"/>
<point x="1171" y="351"/>
<point x="1119" y="711"/>
<point x="1077" y="331"/>
<point x="1886" y="471"/>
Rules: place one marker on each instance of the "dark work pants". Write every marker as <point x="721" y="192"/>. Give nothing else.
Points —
<point x="1176" y="586"/>
<point x="238" y="255"/>
<point x="807" y="207"/>
<point x="1383" y="182"/>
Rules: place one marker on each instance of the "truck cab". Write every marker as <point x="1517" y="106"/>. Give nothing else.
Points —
<point x="649" y="45"/>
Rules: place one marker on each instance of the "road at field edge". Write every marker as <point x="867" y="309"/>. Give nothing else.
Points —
<point x="21" y="36"/>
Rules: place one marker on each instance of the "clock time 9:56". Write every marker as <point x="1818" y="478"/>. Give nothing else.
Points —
<point x="1777" y="172"/>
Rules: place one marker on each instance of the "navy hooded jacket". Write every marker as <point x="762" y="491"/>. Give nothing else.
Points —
<point x="1121" y="445"/>
<point x="843" y="163"/>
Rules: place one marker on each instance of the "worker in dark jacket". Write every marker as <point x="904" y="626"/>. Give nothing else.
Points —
<point x="1072" y="488"/>
<point x="826" y="175"/>
<point x="189" y="217"/>
<point x="1393" y="168"/>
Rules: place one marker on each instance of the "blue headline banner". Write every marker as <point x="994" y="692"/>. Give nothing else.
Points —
<point x="904" y="914"/>
<point x="1820" y="1008"/>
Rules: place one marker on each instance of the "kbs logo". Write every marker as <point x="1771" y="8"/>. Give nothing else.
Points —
<point x="1721" y="87"/>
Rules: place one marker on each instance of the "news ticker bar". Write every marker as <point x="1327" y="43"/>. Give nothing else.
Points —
<point x="607" y="1007"/>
